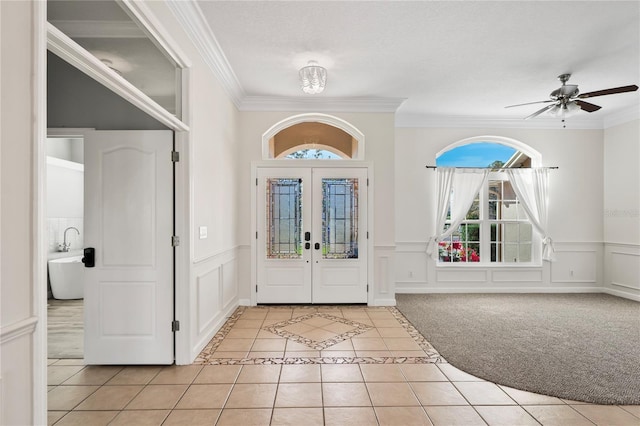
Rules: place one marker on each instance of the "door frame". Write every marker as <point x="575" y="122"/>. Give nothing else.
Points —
<point x="83" y="60"/>
<point x="311" y="164"/>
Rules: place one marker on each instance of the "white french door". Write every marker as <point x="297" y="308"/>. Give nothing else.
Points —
<point x="129" y="222"/>
<point x="312" y="229"/>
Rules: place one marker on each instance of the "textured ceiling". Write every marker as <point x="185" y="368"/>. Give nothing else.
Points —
<point x="459" y="59"/>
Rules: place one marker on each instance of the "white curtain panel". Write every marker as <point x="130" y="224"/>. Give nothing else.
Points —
<point x="532" y="188"/>
<point x="465" y="184"/>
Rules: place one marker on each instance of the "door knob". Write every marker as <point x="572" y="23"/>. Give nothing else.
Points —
<point x="307" y="236"/>
<point x="307" y="246"/>
<point x="317" y="246"/>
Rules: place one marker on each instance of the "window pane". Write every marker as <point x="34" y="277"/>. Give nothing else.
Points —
<point x="474" y="210"/>
<point x="284" y="218"/>
<point x="462" y="246"/>
<point x="340" y="218"/>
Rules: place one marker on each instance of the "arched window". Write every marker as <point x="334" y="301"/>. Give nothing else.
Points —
<point x="313" y="136"/>
<point x="496" y="229"/>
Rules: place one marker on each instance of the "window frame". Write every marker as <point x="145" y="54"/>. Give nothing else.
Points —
<point x="485" y="223"/>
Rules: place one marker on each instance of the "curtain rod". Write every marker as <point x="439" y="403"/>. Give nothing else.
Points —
<point x="491" y="168"/>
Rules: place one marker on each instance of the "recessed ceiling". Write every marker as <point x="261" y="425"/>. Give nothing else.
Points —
<point x="464" y="59"/>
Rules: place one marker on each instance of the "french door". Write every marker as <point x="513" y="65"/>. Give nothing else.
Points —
<point x="312" y="230"/>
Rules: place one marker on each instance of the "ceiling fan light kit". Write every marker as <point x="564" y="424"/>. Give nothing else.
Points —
<point x="313" y="78"/>
<point x="567" y="100"/>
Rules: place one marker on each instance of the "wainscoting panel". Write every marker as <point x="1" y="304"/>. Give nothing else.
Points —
<point x="575" y="266"/>
<point x="622" y="270"/>
<point x="625" y="268"/>
<point x="229" y="282"/>
<point x="458" y="275"/>
<point x="517" y="276"/>
<point x="208" y="298"/>
<point x="215" y="295"/>
<point x="384" y="290"/>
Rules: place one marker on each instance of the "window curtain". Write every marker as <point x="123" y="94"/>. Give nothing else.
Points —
<point x="465" y="184"/>
<point x="532" y="189"/>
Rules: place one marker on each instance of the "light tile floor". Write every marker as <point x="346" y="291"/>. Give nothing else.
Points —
<point x="303" y="365"/>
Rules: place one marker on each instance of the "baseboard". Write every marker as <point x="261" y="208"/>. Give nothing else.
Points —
<point x="623" y="294"/>
<point x="212" y="332"/>
<point x="423" y="290"/>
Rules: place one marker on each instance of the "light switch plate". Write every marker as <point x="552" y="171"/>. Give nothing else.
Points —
<point x="203" y="232"/>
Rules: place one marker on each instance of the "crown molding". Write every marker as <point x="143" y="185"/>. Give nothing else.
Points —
<point x="190" y="16"/>
<point x="319" y="104"/>
<point x="416" y="120"/>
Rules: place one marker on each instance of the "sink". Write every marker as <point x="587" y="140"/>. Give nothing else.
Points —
<point x="66" y="275"/>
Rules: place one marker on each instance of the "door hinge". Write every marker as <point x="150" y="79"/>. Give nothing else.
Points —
<point x="175" y="241"/>
<point x="367" y="181"/>
<point x="256" y="235"/>
<point x="256" y="181"/>
<point x="367" y="288"/>
<point x="367" y="235"/>
<point x="256" y="288"/>
<point x="175" y="156"/>
<point x="175" y="325"/>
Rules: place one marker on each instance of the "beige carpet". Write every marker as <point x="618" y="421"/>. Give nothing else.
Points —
<point x="65" y="328"/>
<point x="583" y="347"/>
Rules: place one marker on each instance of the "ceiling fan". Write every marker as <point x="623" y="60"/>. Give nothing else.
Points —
<point x="567" y="99"/>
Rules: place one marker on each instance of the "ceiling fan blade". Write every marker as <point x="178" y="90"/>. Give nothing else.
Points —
<point x="530" y="103"/>
<point x="586" y="106"/>
<point x="540" y="111"/>
<point x="612" y="91"/>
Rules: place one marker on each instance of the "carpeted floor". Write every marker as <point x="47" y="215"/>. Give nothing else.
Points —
<point x="583" y="347"/>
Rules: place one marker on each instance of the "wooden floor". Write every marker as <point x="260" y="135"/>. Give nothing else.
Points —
<point x="65" y="328"/>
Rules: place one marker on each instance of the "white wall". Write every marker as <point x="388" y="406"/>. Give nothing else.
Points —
<point x="378" y="129"/>
<point x="65" y="203"/>
<point x="622" y="209"/>
<point x="575" y="213"/>
<point x="17" y="319"/>
<point x="211" y="155"/>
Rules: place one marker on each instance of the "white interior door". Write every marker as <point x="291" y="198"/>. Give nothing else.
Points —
<point x="311" y="245"/>
<point x="339" y="236"/>
<point x="284" y="219"/>
<point x="129" y="221"/>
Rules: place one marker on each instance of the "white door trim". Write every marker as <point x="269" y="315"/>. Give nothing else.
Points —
<point x="255" y="165"/>
<point x="183" y="188"/>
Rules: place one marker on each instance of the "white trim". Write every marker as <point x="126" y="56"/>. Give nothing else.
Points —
<point x="190" y="16"/>
<point x="314" y="118"/>
<point x="319" y="104"/>
<point x="18" y="329"/>
<point x="622" y="294"/>
<point x="455" y="290"/>
<point x="71" y="52"/>
<point x="417" y="120"/>
<point x="38" y="225"/>
<point x="155" y="31"/>
<point x="99" y="29"/>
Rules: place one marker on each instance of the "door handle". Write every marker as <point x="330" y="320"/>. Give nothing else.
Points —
<point x="307" y="236"/>
<point x="317" y="246"/>
<point x="89" y="258"/>
<point x="307" y="246"/>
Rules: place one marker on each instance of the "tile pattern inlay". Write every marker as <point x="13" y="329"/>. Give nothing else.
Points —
<point x="283" y="329"/>
<point x="325" y="325"/>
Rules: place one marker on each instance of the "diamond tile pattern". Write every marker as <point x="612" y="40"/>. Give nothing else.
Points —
<point x="318" y="330"/>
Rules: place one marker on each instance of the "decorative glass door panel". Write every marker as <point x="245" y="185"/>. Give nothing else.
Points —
<point x="310" y="228"/>
<point x="340" y="218"/>
<point x="284" y="218"/>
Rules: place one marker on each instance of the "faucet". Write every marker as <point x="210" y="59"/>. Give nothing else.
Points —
<point x="65" y="246"/>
